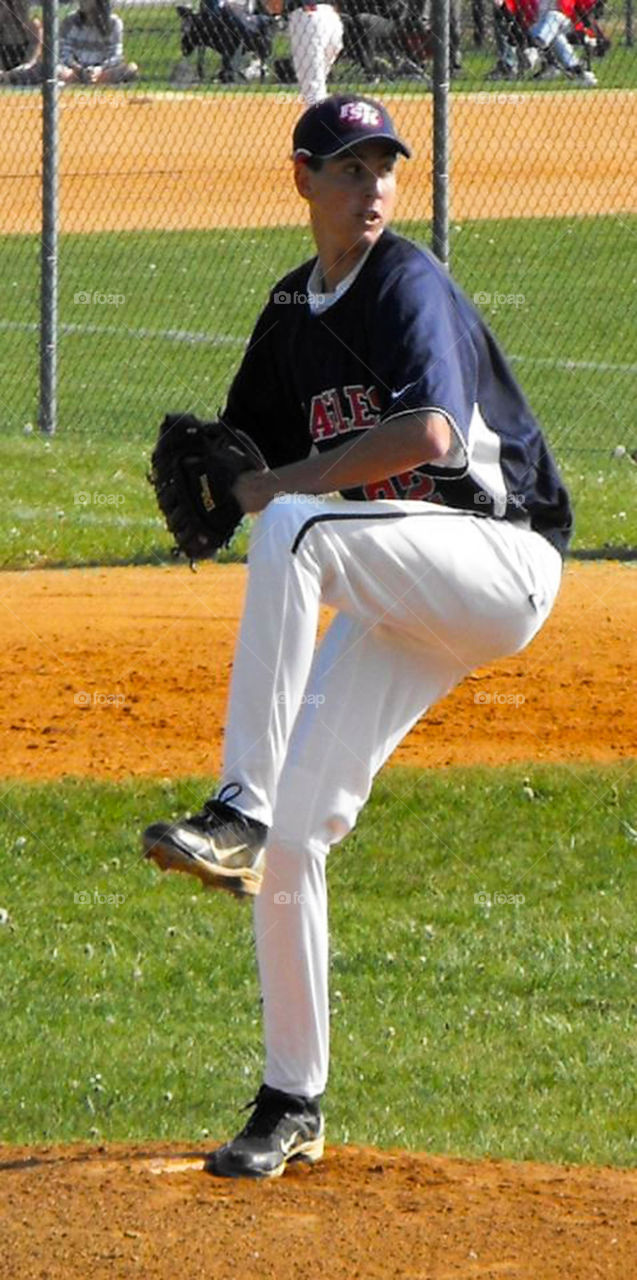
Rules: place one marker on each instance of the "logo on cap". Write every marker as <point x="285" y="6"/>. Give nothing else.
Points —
<point x="361" y="113"/>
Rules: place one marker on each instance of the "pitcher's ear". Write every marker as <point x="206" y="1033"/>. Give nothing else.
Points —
<point x="302" y="175"/>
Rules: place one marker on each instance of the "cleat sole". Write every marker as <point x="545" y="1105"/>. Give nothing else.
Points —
<point x="243" y="882"/>
<point x="307" y="1153"/>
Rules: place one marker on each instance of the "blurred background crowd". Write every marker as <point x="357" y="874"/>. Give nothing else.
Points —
<point x="313" y="45"/>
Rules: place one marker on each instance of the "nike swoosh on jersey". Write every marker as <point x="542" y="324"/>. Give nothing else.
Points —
<point x="396" y="395"/>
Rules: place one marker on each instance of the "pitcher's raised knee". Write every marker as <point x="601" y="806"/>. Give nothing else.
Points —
<point x="282" y="520"/>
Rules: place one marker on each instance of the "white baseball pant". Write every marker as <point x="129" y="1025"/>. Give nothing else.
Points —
<point x="316" y="39"/>
<point x="424" y="595"/>
<point x="551" y="32"/>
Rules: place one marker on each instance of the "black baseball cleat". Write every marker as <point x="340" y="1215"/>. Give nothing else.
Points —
<point x="220" y="846"/>
<point x="283" y="1128"/>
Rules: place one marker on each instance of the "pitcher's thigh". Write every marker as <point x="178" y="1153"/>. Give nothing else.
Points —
<point x="366" y="689"/>
<point x="464" y="588"/>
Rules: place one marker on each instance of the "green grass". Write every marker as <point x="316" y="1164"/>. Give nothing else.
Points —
<point x="503" y="1030"/>
<point x="122" y="366"/>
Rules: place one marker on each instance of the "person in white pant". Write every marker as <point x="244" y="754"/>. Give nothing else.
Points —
<point x="316" y="39"/>
<point x="550" y="33"/>
<point x="370" y="373"/>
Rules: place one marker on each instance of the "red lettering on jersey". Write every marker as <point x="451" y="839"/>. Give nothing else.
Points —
<point x="364" y="405"/>
<point x="415" y="486"/>
<point x="321" y="424"/>
<point x="333" y="399"/>
<point x="327" y="418"/>
<point x="373" y="398"/>
<point x="380" y="489"/>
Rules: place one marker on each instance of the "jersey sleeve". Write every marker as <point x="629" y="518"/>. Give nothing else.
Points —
<point x="426" y="358"/>
<point x="260" y="400"/>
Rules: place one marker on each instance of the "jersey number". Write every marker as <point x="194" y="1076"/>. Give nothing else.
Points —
<point x="408" y="485"/>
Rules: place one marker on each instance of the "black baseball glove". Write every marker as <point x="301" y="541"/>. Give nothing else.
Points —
<point x="193" y="468"/>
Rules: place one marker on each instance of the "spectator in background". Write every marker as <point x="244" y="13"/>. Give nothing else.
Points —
<point x="420" y="15"/>
<point x="92" y="46"/>
<point x="316" y="39"/>
<point x="455" y="34"/>
<point x="20" y="41"/>
<point x="555" y="23"/>
<point x="234" y="28"/>
<point x="510" y="23"/>
<point x="536" y="37"/>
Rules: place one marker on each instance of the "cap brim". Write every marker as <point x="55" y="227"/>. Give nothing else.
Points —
<point x="354" y="142"/>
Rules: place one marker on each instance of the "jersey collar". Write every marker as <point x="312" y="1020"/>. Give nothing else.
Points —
<point x="318" y="301"/>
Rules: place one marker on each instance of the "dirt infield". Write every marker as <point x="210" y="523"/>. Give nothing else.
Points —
<point x="77" y="1214"/>
<point x="120" y="672"/>
<point x="134" y="161"/>
<point x="113" y="673"/>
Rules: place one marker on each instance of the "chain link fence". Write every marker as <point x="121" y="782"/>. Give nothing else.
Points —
<point x="177" y="211"/>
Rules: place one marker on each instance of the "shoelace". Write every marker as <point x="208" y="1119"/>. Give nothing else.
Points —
<point x="229" y="786"/>
<point x="221" y="806"/>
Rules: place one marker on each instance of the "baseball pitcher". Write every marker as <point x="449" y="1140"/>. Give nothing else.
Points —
<point x="369" y="373"/>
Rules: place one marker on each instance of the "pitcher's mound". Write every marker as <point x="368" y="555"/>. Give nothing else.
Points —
<point x="77" y="1213"/>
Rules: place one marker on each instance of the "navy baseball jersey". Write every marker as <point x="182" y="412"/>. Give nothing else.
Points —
<point x="403" y="337"/>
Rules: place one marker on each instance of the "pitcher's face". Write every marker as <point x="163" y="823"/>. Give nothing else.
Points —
<point x="352" y="195"/>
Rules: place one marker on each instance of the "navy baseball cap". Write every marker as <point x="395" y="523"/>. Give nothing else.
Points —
<point x="338" y="123"/>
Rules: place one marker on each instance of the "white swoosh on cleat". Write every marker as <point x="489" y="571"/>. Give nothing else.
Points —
<point x="286" y="1146"/>
<point x="236" y="848"/>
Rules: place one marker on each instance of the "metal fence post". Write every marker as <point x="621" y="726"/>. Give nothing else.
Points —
<point x="49" y="251"/>
<point x="441" y="142"/>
